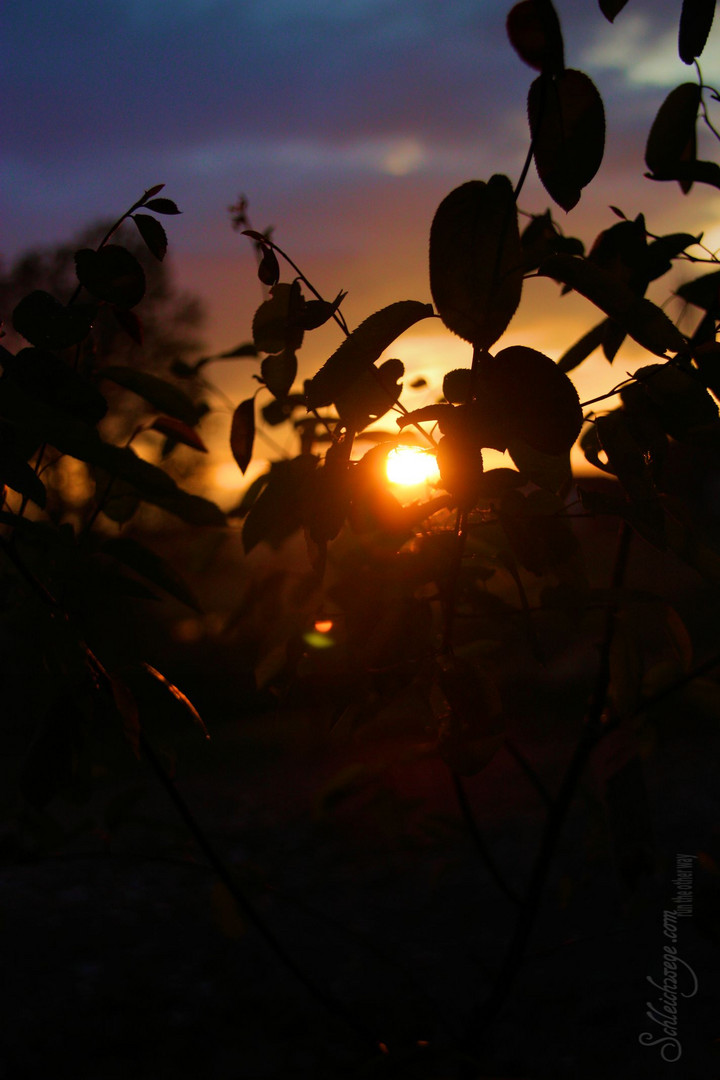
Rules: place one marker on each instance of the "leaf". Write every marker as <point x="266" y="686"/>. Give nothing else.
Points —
<point x="371" y="395"/>
<point x="359" y="351"/>
<point x="193" y="509"/>
<point x="696" y="19"/>
<point x="551" y="472"/>
<point x="318" y="312"/>
<point x="460" y="463"/>
<point x="179" y="432"/>
<point x="456" y="385"/>
<point x="249" y="497"/>
<point x="45" y="322"/>
<point x="661" y="251"/>
<point x="156" y="391"/>
<point x="672" y="138"/>
<point x="277" y="324"/>
<point x="640" y="318"/>
<point x="117" y="499"/>
<point x="17" y="473"/>
<point x="278" y="411"/>
<point x="242" y="433"/>
<point x="703" y="292"/>
<point x="535" y="35"/>
<point x="129" y="322"/>
<point x="152" y="567"/>
<point x="523" y="395"/>
<point x="112" y="274"/>
<point x="580" y="351"/>
<point x="682" y="403"/>
<point x="612" y="8"/>
<point x="268" y="268"/>
<point x="154" y="190"/>
<point x="279" y="371"/>
<point x="178" y="695"/>
<point x="688" y="172"/>
<point x="476" y="265"/>
<point x="153" y="234"/>
<point x="162" y="206"/>
<point x="278" y="511"/>
<point x="567" y="124"/>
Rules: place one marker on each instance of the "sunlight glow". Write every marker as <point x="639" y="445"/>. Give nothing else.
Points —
<point x="411" y="465"/>
<point x="324" y="626"/>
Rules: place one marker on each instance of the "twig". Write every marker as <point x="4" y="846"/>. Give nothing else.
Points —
<point x="479" y="841"/>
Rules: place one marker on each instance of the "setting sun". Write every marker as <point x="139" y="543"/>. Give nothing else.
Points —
<point x="410" y="465"/>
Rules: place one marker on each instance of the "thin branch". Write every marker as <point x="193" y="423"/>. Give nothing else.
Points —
<point x="479" y="841"/>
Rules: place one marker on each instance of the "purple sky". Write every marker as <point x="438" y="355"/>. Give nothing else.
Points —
<point x="344" y="123"/>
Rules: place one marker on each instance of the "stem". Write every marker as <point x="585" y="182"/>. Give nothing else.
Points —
<point x="247" y="909"/>
<point x="527" y="768"/>
<point x="472" y="827"/>
<point x="593" y="731"/>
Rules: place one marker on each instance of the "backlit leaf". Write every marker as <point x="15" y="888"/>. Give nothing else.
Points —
<point x="703" y="292"/>
<point x="268" y="268"/>
<point x="534" y="32"/>
<point x="456" y="386"/>
<point x="278" y="511"/>
<point x="112" y="274"/>
<point x="45" y="322"/>
<point x="640" y="318"/>
<point x="43" y="374"/>
<point x="696" y="19"/>
<point x="178" y="432"/>
<point x="672" y="138"/>
<point x="178" y="695"/>
<point x="567" y="123"/>
<point x="159" y="393"/>
<point x="152" y="233"/>
<point x="476" y="264"/>
<point x="359" y="351"/>
<point x="371" y="395"/>
<point x="242" y="433"/>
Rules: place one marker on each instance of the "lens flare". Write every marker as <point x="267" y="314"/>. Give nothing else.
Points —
<point x="411" y="465"/>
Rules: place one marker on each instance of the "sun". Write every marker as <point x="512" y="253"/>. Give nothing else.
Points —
<point x="410" y="466"/>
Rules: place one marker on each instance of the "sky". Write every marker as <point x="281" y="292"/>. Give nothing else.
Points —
<point x="344" y="124"/>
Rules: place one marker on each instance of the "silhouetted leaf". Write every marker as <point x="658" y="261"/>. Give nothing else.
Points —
<point x="45" y="322"/>
<point x="16" y="472"/>
<point x="681" y="400"/>
<point x="523" y="395"/>
<point x="117" y="499"/>
<point x="277" y="412"/>
<point x="152" y="567"/>
<point x="419" y="384"/>
<point x="359" y="351"/>
<point x="112" y="274"/>
<point x="534" y="32"/>
<point x="157" y="392"/>
<point x="153" y="234"/>
<point x="551" y="472"/>
<point x="456" y="386"/>
<point x="580" y="351"/>
<point x="703" y="292"/>
<point x="567" y="123"/>
<point x="622" y="251"/>
<point x="154" y="190"/>
<point x="162" y="206"/>
<point x="371" y="395"/>
<point x="242" y="433"/>
<point x="268" y="268"/>
<point x="611" y="8"/>
<point x="460" y="463"/>
<point x="130" y="323"/>
<point x="640" y="318"/>
<point x="193" y="509"/>
<point x="178" y="432"/>
<point x="689" y="172"/>
<point x="541" y="238"/>
<point x="442" y="415"/>
<point x="660" y="252"/>
<point x="476" y="269"/>
<point x="318" y="312"/>
<point x="696" y="19"/>
<point x="278" y="322"/>
<point x="279" y="372"/>
<point x="672" y="138"/>
<point x="278" y="511"/>
<point x="249" y="497"/>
